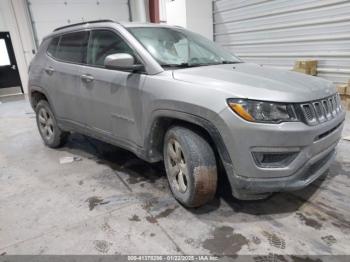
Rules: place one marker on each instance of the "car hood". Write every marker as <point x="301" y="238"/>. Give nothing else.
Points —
<point x="257" y="82"/>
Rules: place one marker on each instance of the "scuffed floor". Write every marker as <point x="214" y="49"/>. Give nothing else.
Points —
<point x="110" y="202"/>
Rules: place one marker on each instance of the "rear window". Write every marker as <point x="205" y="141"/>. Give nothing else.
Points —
<point x="51" y="50"/>
<point x="73" y="47"/>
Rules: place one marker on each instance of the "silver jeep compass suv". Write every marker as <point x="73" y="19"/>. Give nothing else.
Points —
<point x="168" y="94"/>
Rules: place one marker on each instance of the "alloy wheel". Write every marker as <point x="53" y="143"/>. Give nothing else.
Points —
<point x="46" y="124"/>
<point x="177" y="166"/>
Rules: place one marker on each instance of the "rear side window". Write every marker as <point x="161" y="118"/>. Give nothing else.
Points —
<point x="73" y="47"/>
<point x="51" y="50"/>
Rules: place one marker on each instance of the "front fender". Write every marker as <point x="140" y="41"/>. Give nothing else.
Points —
<point x="153" y="135"/>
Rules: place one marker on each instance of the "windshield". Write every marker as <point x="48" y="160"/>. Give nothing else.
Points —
<point x="173" y="47"/>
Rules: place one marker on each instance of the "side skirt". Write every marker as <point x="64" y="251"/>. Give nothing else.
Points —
<point x="106" y="137"/>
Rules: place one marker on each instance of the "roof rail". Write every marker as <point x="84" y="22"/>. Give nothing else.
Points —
<point x="83" y="23"/>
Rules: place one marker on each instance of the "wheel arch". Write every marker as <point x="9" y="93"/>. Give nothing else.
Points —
<point x="36" y="97"/>
<point x="36" y="94"/>
<point x="164" y="119"/>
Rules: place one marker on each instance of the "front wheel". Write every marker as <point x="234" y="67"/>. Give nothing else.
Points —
<point x="190" y="166"/>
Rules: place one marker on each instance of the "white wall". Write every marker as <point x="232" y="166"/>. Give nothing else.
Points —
<point x="3" y="26"/>
<point x="195" y="15"/>
<point x="200" y="17"/>
<point x="14" y="20"/>
<point x="25" y="28"/>
<point x="175" y="13"/>
<point x="138" y="11"/>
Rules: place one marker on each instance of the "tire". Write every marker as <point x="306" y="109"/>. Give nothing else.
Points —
<point x="190" y="165"/>
<point x="51" y="134"/>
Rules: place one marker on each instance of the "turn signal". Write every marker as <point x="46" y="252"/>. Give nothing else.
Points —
<point x="239" y="109"/>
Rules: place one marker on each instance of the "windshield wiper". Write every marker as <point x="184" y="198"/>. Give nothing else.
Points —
<point x="187" y="65"/>
<point x="182" y="65"/>
<point x="230" y="62"/>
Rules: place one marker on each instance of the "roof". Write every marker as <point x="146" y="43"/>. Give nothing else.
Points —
<point x="84" y="23"/>
<point x="138" y="24"/>
<point x="95" y="23"/>
<point x="125" y="24"/>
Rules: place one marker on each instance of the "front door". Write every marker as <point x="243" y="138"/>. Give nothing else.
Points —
<point x="9" y="75"/>
<point x="116" y="108"/>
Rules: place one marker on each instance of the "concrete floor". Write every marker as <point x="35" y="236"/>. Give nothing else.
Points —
<point x="111" y="202"/>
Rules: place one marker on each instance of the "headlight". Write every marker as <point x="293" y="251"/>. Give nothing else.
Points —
<point x="260" y="111"/>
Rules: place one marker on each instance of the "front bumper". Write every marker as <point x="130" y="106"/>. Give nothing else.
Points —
<point x="315" y="147"/>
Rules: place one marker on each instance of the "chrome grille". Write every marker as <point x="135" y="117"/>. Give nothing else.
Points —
<point x="327" y="109"/>
<point x="321" y="110"/>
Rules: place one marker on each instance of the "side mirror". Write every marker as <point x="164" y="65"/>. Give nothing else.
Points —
<point x="122" y="61"/>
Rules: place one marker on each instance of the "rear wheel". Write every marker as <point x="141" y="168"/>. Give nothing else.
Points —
<point x="190" y="166"/>
<point x="52" y="135"/>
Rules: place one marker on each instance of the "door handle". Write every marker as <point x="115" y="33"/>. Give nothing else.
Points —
<point x="49" y="70"/>
<point x="87" y="78"/>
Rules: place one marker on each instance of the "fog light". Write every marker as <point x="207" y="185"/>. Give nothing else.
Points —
<point x="273" y="160"/>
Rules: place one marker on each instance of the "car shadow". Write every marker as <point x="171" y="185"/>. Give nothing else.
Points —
<point x="276" y="206"/>
<point x="116" y="158"/>
<point x="137" y="170"/>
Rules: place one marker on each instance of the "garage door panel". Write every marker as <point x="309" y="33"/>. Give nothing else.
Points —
<point x="227" y="5"/>
<point x="341" y="48"/>
<point x="277" y="33"/>
<point x="270" y="8"/>
<point x="317" y="15"/>
<point x="310" y="33"/>
<point x="40" y="12"/>
<point x="50" y="14"/>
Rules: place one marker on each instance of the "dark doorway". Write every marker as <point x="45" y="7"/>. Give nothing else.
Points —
<point x="9" y="75"/>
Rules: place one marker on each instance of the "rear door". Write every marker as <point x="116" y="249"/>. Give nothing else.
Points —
<point x="9" y="75"/>
<point x="63" y="72"/>
<point x="114" y="94"/>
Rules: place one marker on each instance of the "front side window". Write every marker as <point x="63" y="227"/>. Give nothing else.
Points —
<point x="179" y="47"/>
<point x="73" y="47"/>
<point x="104" y="43"/>
<point x="51" y="50"/>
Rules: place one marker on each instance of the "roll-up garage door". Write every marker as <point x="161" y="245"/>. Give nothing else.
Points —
<point x="47" y="15"/>
<point x="278" y="32"/>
